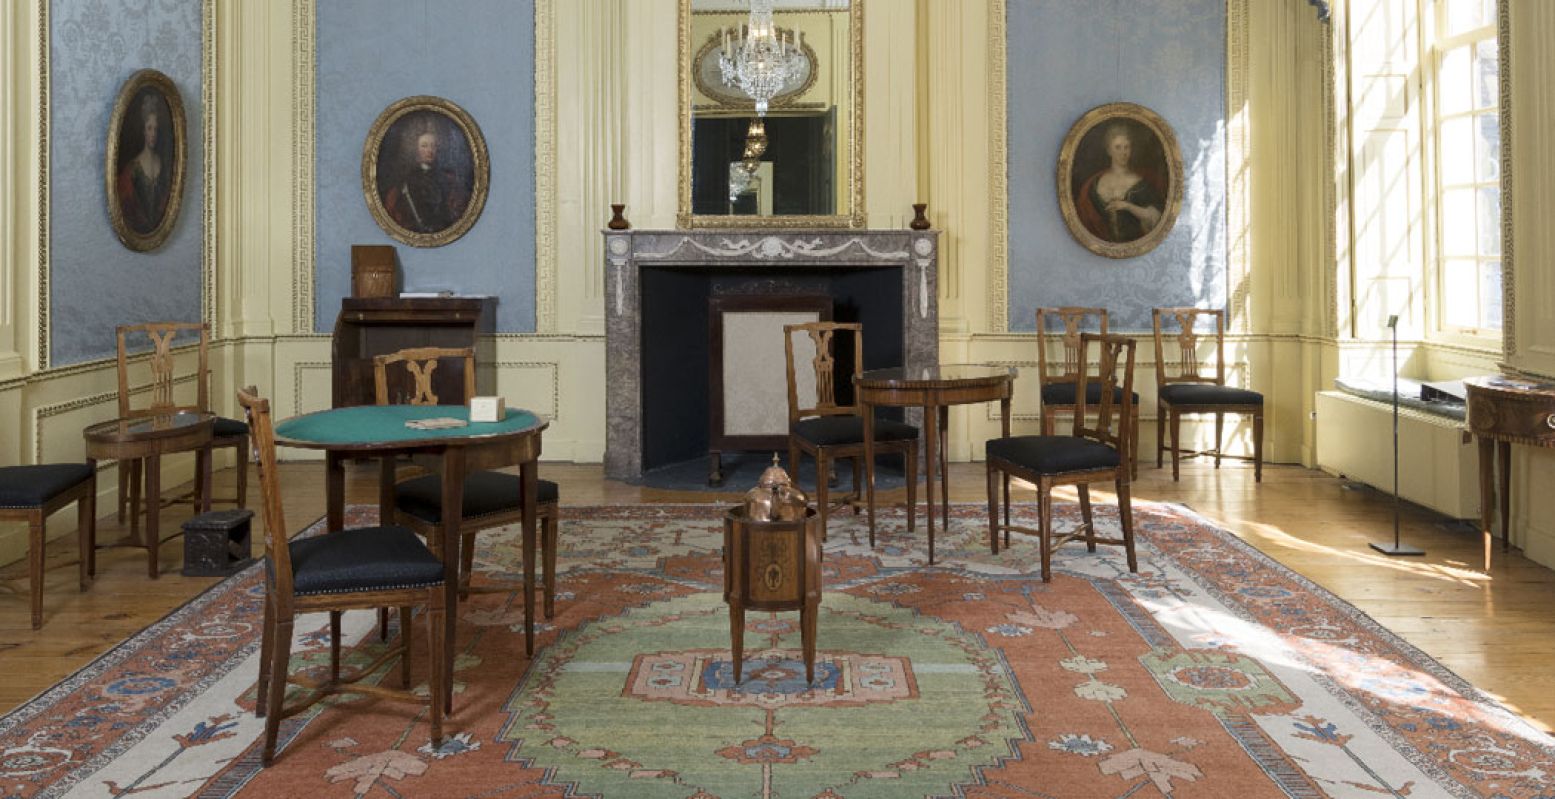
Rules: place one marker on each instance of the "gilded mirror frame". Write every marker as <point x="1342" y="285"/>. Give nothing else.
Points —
<point x="852" y="216"/>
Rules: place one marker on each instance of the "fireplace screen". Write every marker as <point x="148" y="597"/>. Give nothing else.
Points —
<point x="748" y="378"/>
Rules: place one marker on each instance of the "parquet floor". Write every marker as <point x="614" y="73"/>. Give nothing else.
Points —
<point x="1496" y="630"/>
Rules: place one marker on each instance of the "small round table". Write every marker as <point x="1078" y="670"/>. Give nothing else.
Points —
<point x="772" y="566"/>
<point x="934" y="389"/>
<point x="151" y="437"/>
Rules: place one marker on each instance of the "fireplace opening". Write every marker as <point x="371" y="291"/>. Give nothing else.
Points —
<point x="676" y="345"/>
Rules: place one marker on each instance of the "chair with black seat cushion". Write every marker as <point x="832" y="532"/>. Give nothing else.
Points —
<point x="491" y="499"/>
<point x="828" y="431"/>
<point x="31" y="494"/>
<point x="1058" y="372"/>
<point x="225" y="433"/>
<point x="1090" y="455"/>
<point x="356" y="569"/>
<point x="1189" y="391"/>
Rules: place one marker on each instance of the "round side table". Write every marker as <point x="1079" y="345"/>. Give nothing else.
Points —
<point x="772" y="566"/>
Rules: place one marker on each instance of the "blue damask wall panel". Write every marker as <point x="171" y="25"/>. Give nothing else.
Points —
<point x="1067" y="57"/>
<point x="95" y="283"/>
<point x="480" y="55"/>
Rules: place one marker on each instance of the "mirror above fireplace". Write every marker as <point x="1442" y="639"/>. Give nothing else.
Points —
<point x="772" y="93"/>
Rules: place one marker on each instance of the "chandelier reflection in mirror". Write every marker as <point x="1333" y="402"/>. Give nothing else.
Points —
<point x="742" y="176"/>
<point x="760" y="60"/>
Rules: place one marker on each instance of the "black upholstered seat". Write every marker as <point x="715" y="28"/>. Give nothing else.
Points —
<point x="485" y="493"/>
<point x="32" y="486"/>
<point x="829" y="431"/>
<point x="224" y="427"/>
<point x="1208" y="394"/>
<point x="1067" y="394"/>
<point x="1054" y="454"/>
<point x="363" y="559"/>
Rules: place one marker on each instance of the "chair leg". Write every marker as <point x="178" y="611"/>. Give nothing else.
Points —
<point x="793" y="459"/>
<point x="137" y="480"/>
<point x="1045" y="529"/>
<point x="910" y="466"/>
<point x="36" y="536"/>
<point x="944" y="467"/>
<point x="334" y="646"/>
<point x="1006" y="509"/>
<point x="552" y="525"/>
<point x="266" y="651"/>
<point x="823" y="488"/>
<point x="124" y="490"/>
<point x="383" y="625"/>
<point x="1160" y="434"/>
<point x="405" y="646"/>
<point x="280" y="659"/>
<point x="201" y="456"/>
<point x="86" y="534"/>
<point x="1126" y="521"/>
<point x="1258" y="446"/>
<point x="1176" y="424"/>
<point x="993" y="508"/>
<point x="1220" y="423"/>
<point x="466" y="564"/>
<point x="1085" y="516"/>
<point x="438" y="669"/>
<point x="858" y="489"/>
<point x="242" y="449"/>
<point x="1133" y="446"/>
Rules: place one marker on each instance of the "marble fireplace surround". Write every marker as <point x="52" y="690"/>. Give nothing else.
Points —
<point x="627" y="252"/>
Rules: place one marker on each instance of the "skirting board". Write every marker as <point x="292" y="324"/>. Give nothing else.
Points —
<point x="1438" y="464"/>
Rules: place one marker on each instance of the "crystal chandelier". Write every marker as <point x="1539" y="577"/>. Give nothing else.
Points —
<point x="760" y="60"/>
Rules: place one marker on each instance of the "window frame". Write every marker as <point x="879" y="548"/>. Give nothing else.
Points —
<point x="1438" y="46"/>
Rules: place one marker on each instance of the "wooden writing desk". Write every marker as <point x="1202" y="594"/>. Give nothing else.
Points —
<point x="1504" y="411"/>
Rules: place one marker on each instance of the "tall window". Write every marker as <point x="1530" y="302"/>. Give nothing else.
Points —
<point x="1468" y="166"/>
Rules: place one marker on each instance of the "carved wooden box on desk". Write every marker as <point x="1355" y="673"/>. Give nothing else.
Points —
<point x="367" y="327"/>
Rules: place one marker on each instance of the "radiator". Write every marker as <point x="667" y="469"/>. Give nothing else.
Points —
<point x="1438" y="462"/>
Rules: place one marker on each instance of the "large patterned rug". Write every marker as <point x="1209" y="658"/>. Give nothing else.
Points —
<point x="1211" y="672"/>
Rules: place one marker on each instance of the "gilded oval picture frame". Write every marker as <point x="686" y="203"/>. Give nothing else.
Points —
<point x="1120" y="180"/>
<point x="147" y="160"/>
<point x="425" y="171"/>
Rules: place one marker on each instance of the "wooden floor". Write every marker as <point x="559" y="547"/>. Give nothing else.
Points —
<point x="1495" y="630"/>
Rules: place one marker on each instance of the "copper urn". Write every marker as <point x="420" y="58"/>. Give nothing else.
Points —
<point x="775" y="498"/>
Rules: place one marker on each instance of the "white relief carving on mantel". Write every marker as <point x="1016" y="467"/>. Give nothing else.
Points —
<point x="924" y="250"/>
<point x="618" y="259"/>
<point x="773" y="247"/>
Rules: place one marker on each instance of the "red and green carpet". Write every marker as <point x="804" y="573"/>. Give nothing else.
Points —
<point x="1214" y="671"/>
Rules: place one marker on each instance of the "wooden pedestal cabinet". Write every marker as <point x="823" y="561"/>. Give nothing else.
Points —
<point x="772" y="566"/>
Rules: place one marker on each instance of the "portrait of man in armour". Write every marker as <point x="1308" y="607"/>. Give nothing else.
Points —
<point x="425" y="171"/>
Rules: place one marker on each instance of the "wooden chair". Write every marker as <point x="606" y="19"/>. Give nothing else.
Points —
<point x="1059" y="378"/>
<point x="829" y="432"/>
<point x="31" y="494"/>
<point x="226" y="433"/>
<point x="1090" y="455"/>
<point x="1189" y="392"/>
<point x="356" y="569"/>
<point x="491" y="499"/>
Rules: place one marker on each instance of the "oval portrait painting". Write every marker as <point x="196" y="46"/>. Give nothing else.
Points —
<point x="147" y="145"/>
<point x="425" y="171"/>
<point x="1120" y="180"/>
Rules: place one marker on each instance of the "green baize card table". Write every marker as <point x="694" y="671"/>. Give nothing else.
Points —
<point x="379" y="431"/>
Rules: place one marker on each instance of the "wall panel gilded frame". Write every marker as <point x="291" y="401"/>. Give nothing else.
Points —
<point x="854" y="217"/>
<point x="208" y="78"/>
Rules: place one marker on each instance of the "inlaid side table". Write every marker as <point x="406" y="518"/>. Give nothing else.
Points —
<point x="149" y="438"/>
<point x="772" y="566"/>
